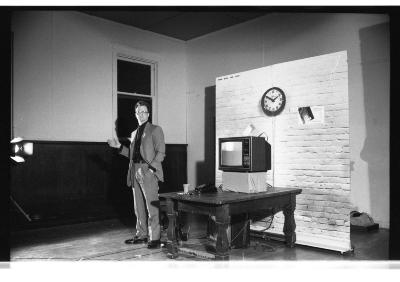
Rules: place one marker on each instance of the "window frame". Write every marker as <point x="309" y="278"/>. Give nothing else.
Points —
<point x="135" y="56"/>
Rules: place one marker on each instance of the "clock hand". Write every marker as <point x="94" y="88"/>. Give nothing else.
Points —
<point x="275" y="98"/>
<point x="269" y="98"/>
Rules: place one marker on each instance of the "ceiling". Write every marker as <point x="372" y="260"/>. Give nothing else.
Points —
<point x="180" y="23"/>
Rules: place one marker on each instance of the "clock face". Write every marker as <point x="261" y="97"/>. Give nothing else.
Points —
<point x="273" y="101"/>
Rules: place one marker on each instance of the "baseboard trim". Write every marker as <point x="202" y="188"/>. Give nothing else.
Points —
<point x="324" y="242"/>
<point x="318" y="241"/>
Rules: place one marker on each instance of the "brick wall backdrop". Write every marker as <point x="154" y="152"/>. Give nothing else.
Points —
<point x="314" y="157"/>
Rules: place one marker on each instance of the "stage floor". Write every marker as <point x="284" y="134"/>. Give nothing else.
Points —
<point x="104" y="240"/>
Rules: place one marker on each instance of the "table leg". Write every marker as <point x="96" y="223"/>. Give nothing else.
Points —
<point x="171" y="231"/>
<point x="222" y="223"/>
<point x="289" y="225"/>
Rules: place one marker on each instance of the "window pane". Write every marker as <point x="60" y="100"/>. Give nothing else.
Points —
<point x="126" y="122"/>
<point x="133" y="77"/>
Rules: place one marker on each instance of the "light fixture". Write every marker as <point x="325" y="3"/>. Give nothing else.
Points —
<point x="20" y="149"/>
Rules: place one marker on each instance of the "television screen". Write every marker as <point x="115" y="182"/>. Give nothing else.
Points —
<point x="231" y="153"/>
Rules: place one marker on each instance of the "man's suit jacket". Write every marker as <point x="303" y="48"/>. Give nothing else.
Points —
<point x="152" y="150"/>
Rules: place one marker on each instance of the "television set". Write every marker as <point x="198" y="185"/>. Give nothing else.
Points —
<point x="244" y="154"/>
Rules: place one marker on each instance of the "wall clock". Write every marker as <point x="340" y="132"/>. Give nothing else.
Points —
<point x="273" y="101"/>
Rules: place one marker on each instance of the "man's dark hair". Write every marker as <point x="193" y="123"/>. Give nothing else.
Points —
<point x="143" y="103"/>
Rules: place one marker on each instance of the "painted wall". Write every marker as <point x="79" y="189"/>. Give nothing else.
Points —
<point x="63" y="63"/>
<point x="278" y="38"/>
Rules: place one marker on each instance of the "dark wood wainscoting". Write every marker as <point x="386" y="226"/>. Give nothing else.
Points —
<point x="66" y="182"/>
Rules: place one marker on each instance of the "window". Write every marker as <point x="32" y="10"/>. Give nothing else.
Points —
<point x="133" y="77"/>
<point x="134" y="80"/>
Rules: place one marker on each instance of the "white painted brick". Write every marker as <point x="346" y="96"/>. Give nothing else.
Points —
<point x="315" y="157"/>
<point x="334" y="107"/>
<point x="340" y="216"/>
<point x="331" y="222"/>
<point x="303" y="218"/>
<point x="301" y="202"/>
<point x="317" y="214"/>
<point x="344" y="174"/>
<point x="315" y="208"/>
<point x="340" y="222"/>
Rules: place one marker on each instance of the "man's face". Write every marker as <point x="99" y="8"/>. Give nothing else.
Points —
<point x="142" y="114"/>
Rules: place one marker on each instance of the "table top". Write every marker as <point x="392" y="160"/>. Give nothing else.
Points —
<point x="226" y="197"/>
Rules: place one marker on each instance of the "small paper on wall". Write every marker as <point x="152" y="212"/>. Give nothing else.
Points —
<point x="251" y="130"/>
<point x="311" y="115"/>
<point x="248" y="130"/>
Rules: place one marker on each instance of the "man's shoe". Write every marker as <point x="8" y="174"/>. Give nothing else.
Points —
<point x="136" y="240"/>
<point x="154" y="244"/>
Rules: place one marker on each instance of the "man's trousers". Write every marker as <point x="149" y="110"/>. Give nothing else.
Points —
<point x="145" y="195"/>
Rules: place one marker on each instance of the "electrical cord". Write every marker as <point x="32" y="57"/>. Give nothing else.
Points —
<point x="268" y="220"/>
<point x="240" y="231"/>
<point x="220" y="188"/>
<point x="264" y="246"/>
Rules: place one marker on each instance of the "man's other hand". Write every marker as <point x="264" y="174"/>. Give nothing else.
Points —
<point x="114" y="143"/>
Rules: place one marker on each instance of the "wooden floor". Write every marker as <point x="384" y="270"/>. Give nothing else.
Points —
<point x="104" y="240"/>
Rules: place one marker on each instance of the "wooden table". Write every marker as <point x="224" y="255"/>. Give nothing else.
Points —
<point x="223" y="205"/>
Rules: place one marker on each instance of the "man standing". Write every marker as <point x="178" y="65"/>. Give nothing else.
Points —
<point x="145" y="153"/>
